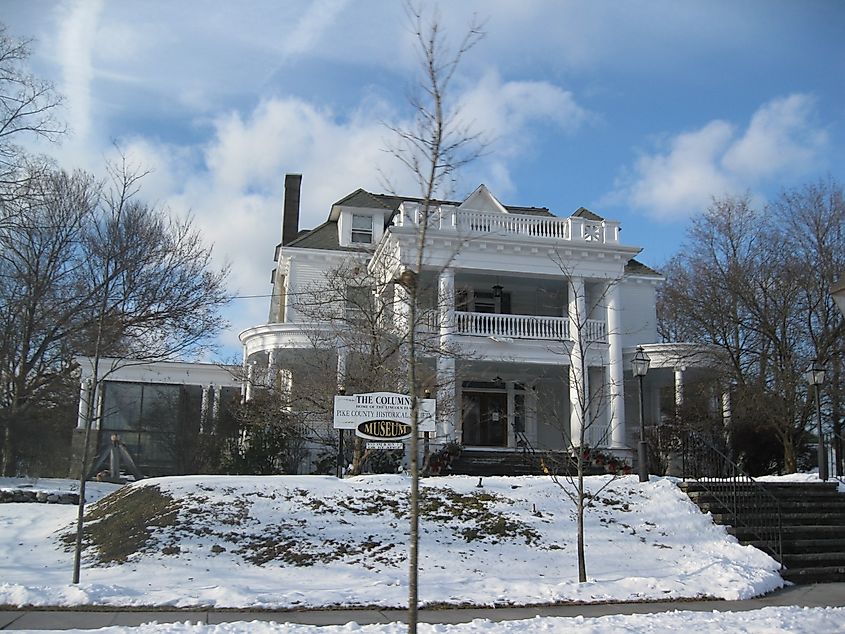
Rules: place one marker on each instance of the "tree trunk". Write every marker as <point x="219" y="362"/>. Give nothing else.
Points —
<point x="582" y="559"/>
<point x="790" y="464"/>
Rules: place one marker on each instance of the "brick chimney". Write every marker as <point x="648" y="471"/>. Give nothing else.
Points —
<point x="290" y="218"/>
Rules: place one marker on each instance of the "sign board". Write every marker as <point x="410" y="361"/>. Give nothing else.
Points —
<point x="351" y="411"/>
<point x="384" y="445"/>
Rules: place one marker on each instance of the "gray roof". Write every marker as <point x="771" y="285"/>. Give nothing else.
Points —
<point x="583" y="212"/>
<point x="363" y="198"/>
<point x="322" y="237"/>
<point x="635" y="267"/>
<point x="366" y="200"/>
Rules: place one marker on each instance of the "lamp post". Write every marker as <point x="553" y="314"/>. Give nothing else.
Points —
<point x="815" y="377"/>
<point x="639" y="365"/>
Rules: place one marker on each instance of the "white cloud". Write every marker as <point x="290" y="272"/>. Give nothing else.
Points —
<point x="509" y="115"/>
<point x="318" y="17"/>
<point x="781" y="141"/>
<point x="504" y="109"/>
<point x="75" y="50"/>
<point x="781" y="135"/>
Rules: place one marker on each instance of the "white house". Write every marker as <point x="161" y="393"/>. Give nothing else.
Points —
<point x="534" y="318"/>
<point x="540" y="314"/>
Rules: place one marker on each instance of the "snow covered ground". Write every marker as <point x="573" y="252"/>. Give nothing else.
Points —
<point x="308" y="541"/>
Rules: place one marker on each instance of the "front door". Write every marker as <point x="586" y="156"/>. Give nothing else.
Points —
<point x="485" y="419"/>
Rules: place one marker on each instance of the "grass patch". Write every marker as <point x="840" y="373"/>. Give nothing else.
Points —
<point x="123" y="523"/>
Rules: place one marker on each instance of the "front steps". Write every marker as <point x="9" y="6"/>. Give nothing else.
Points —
<point x="812" y="521"/>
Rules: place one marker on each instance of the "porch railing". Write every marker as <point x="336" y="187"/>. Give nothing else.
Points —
<point x="512" y="326"/>
<point x="525" y="327"/>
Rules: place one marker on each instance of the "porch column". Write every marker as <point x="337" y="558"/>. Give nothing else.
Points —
<point x="679" y="390"/>
<point x="726" y="408"/>
<point x="204" y="409"/>
<point x="250" y="377"/>
<point x="401" y="307"/>
<point x="215" y="408"/>
<point x="446" y="302"/>
<point x="447" y="412"/>
<point x="98" y="405"/>
<point x="615" y="374"/>
<point x="342" y="361"/>
<point x="84" y="401"/>
<point x="244" y="375"/>
<point x="578" y="387"/>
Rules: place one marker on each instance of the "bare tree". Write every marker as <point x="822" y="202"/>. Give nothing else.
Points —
<point x="754" y="283"/>
<point x="44" y="296"/>
<point x="153" y="292"/>
<point x="432" y="148"/>
<point x="27" y="110"/>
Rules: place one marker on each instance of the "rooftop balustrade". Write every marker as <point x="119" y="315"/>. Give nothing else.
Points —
<point x="474" y="222"/>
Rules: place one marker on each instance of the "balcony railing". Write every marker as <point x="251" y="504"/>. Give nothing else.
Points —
<point x="474" y="222"/>
<point x="525" y="327"/>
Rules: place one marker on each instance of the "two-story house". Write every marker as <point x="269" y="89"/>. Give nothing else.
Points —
<point x="536" y="316"/>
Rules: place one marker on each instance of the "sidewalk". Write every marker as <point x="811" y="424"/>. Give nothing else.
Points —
<point x="820" y="595"/>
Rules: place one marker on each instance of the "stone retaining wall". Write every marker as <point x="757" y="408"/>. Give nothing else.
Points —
<point x="32" y="495"/>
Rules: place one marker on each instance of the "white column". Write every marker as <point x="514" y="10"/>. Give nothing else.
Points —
<point x="250" y="377"/>
<point x="446" y="303"/>
<point x="342" y="361"/>
<point x="290" y="311"/>
<point x="215" y="408"/>
<point x="679" y="389"/>
<point x="84" y="401"/>
<point x="98" y="405"/>
<point x="726" y="408"/>
<point x="244" y="375"/>
<point x="401" y="307"/>
<point x="578" y="384"/>
<point x="615" y="370"/>
<point x="204" y="409"/>
<point x="447" y="411"/>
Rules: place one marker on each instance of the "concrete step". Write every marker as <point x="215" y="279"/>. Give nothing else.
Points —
<point x="804" y="546"/>
<point x="809" y="532"/>
<point x="814" y="559"/>
<point x="820" y="574"/>
<point x="782" y="488"/>
<point x="787" y="519"/>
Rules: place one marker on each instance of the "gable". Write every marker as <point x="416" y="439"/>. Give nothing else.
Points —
<point x="482" y="200"/>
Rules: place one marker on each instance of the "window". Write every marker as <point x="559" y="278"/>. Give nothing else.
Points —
<point x="362" y="228"/>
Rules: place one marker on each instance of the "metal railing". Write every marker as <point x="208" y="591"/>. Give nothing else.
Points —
<point x="835" y="453"/>
<point x="750" y="504"/>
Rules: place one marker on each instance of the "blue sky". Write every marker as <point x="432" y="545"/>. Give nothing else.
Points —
<point x="640" y="111"/>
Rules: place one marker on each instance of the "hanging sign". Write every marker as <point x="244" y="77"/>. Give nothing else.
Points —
<point x="382" y="415"/>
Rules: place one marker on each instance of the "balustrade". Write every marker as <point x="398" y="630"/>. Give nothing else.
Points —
<point x="469" y="221"/>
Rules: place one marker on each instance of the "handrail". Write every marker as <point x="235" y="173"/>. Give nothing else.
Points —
<point x="830" y="439"/>
<point x="748" y="501"/>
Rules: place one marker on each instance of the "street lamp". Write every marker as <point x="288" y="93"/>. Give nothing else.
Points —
<point x="639" y="365"/>
<point x="815" y="377"/>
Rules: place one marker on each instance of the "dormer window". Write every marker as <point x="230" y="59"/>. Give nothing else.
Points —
<point x="362" y="228"/>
